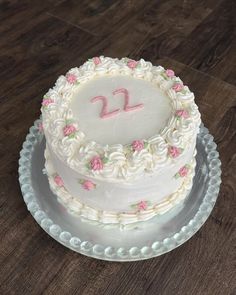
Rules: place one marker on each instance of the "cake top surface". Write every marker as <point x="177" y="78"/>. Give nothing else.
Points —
<point x="146" y="113"/>
<point x="118" y="119"/>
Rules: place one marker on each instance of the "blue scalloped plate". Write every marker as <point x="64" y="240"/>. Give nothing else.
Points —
<point x="142" y="240"/>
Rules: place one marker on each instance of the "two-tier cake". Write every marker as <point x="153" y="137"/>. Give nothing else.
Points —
<point x="120" y="140"/>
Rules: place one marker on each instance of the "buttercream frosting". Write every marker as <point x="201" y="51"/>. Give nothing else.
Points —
<point x="121" y="138"/>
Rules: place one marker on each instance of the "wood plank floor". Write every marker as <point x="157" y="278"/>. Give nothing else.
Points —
<point x="39" y="40"/>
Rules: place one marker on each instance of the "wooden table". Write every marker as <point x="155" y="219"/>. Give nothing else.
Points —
<point x="41" y="40"/>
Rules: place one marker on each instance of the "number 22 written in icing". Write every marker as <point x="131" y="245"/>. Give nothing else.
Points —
<point x="127" y="108"/>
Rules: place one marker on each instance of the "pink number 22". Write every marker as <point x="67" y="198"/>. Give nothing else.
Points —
<point x="127" y="108"/>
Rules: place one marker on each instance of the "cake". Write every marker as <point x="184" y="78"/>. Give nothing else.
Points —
<point x="120" y="140"/>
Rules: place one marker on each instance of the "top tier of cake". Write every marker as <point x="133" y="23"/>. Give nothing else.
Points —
<point x="119" y="119"/>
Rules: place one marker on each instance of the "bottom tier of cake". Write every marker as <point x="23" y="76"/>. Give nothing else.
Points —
<point x="74" y="206"/>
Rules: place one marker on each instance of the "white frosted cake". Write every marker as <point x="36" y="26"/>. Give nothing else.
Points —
<point x="120" y="140"/>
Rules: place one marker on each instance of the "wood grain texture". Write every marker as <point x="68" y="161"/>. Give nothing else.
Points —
<point x="41" y="40"/>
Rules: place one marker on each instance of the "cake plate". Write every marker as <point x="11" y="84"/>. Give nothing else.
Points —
<point x="139" y="241"/>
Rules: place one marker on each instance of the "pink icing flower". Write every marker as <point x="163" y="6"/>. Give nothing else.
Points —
<point x="96" y="60"/>
<point x="177" y="87"/>
<point x="71" y="78"/>
<point x="88" y="185"/>
<point x="58" y="180"/>
<point x="183" y="171"/>
<point x="173" y="151"/>
<point x="69" y="129"/>
<point x="47" y="101"/>
<point x="96" y="163"/>
<point x="132" y="64"/>
<point x="137" y="145"/>
<point x="182" y="113"/>
<point x="40" y="127"/>
<point x="170" y="73"/>
<point x="142" y="205"/>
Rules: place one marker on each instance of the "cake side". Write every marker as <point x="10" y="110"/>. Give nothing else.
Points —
<point x="142" y="212"/>
<point x="123" y="196"/>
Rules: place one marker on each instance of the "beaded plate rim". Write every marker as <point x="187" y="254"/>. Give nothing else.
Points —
<point x="106" y="252"/>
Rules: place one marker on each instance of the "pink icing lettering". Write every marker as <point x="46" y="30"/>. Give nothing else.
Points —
<point x="104" y="113"/>
<point x="127" y="108"/>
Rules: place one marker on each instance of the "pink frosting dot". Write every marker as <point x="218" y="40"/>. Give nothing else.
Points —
<point x="137" y="145"/>
<point x="96" y="163"/>
<point x="96" y="60"/>
<point x="40" y="127"/>
<point x="177" y="87"/>
<point x="132" y="64"/>
<point x="170" y="73"/>
<point x="173" y="151"/>
<point x="71" y="78"/>
<point x="142" y="205"/>
<point x="88" y="185"/>
<point x="58" y="180"/>
<point x="69" y="129"/>
<point x="47" y="101"/>
<point x="183" y="171"/>
<point x="182" y="113"/>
